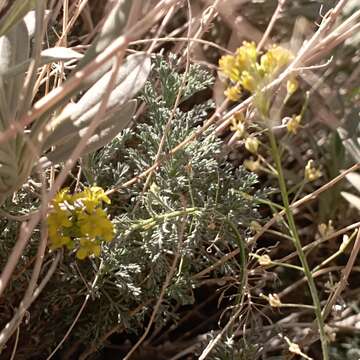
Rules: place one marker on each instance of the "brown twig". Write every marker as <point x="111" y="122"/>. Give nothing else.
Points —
<point x="276" y="218"/>
<point x="274" y="18"/>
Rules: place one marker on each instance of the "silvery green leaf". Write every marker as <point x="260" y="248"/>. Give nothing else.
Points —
<point x="111" y="30"/>
<point x="105" y="132"/>
<point x="354" y="179"/>
<point x="59" y="54"/>
<point x="352" y="199"/>
<point x="14" y="49"/>
<point x="14" y="13"/>
<point x="4" y="108"/>
<point x="30" y="21"/>
<point x="351" y="144"/>
<point x="129" y="81"/>
<point x="47" y="56"/>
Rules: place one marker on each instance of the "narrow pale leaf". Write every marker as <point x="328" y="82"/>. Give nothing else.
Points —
<point x="352" y="199"/>
<point x="104" y="134"/>
<point x="354" y="180"/>
<point x="14" y="49"/>
<point x="15" y="12"/>
<point x="111" y="30"/>
<point x="130" y="80"/>
<point x="47" y="56"/>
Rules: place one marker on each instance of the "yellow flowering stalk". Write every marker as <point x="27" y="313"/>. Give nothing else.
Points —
<point x="79" y="221"/>
<point x="246" y="56"/>
<point x="251" y="74"/>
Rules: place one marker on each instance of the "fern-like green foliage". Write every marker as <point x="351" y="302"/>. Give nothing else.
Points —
<point x="196" y="205"/>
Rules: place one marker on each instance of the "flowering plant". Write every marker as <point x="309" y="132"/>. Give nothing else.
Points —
<point x="245" y="70"/>
<point x="79" y="221"/>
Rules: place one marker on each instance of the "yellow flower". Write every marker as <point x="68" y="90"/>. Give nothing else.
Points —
<point x="87" y="248"/>
<point x="252" y="144"/>
<point x="264" y="260"/>
<point x="252" y="165"/>
<point x="244" y="60"/>
<point x="233" y="93"/>
<point x="96" y="225"/>
<point x="293" y="124"/>
<point x="274" y="300"/>
<point x="60" y="241"/>
<point x="311" y="172"/>
<point x="248" y="82"/>
<point x="292" y="85"/>
<point x="255" y="226"/>
<point x="237" y="126"/>
<point x="326" y="229"/>
<point x="227" y="65"/>
<point x="62" y="196"/>
<point x="98" y="193"/>
<point x="79" y="220"/>
<point x="246" y="56"/>
<point x="275" y="59"/>
<point x="59" y="218"/>
<point x="92" y="197"/>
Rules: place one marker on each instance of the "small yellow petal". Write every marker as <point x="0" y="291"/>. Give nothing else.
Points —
<point x="252" y="165"/>
<point x="274" y="300"/>
<point x="248" y="82"/>
<point x="227" y="66"/>
<point x="311" y="172"/>
<point x="292" y="85"/>
<point x="293" y="124"/>
<point x="252" y="144"/>
<point x="264" y="260"/>
<point x="233" y="93"/>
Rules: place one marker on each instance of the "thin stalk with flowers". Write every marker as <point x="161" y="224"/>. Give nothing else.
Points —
<point x="297" y="243"/>
<point x="248" y="70"/>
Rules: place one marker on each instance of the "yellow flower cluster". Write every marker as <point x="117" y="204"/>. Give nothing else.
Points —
<point x="312" y="173"/>
<point x="293" y="124"/>
<point x="244" y="71"/>
<point x="79" y="221"/>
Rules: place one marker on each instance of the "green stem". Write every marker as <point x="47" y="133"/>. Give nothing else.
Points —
<point x="298" y="246"/>
<point x="147" y="223"/>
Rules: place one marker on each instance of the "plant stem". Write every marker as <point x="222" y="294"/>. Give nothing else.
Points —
<point x="171" y="215"/>
<point x="298" y="246"/>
